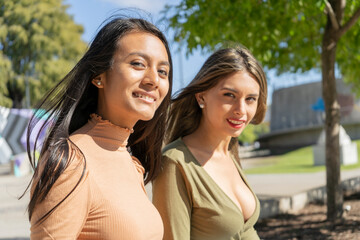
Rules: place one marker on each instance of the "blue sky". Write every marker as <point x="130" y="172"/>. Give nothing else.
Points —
<point x="91" y="13"/>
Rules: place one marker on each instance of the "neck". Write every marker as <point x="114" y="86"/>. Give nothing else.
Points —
<point x="118" y="117"/>
<point x="123" y="122"/>
<point x="208" y="141"/>
<point x="116" y="137"/>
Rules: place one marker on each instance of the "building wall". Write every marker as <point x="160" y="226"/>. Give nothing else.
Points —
<point x="292" y="107"/>
<point x="294" y="122"/>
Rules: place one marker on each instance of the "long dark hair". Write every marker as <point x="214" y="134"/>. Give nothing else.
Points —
<point x="68" y="105"/>
<point x="185" y="113"/>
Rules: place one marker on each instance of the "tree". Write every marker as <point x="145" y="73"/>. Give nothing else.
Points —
<point x="5" y="75"/>
<point x="252" y="132"/>
<point x="289" y="36"/>
<point x="39" y="43"/>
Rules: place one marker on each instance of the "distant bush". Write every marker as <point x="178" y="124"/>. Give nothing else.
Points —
<point x="252" y="132"/>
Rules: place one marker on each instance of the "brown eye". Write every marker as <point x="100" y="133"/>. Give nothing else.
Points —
<point x="229" y="95"/>
<point x="251" y="99"/>
<point x="163" y="72"/>
<point x="137" y="64"/>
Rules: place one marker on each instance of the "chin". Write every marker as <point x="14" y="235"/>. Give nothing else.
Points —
<point x="144" y="113"/>
<point x="237" y="134"/>
<point x="146" y="117"/>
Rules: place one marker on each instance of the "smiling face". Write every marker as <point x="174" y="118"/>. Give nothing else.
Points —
<point x="134" y="87"/>
<point x="230" y="105"/>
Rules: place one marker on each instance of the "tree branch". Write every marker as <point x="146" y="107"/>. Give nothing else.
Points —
<point x="350" y="23"/>
<point x="332" y="16"/>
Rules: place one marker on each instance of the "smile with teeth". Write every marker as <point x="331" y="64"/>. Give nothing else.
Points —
<point x="144" y="97"/>
<point x="236" y="121"/>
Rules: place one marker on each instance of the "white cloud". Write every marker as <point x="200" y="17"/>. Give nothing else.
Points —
<point x="152" y="6"/>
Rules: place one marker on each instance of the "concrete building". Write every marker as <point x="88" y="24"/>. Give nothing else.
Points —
<point x="297" y="116"/>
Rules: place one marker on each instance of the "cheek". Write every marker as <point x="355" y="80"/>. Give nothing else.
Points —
<point x="215" y="114"/>
<point x="251" y="112"/>
<point x="163" y="88"/>
<point x="124" y="78"/>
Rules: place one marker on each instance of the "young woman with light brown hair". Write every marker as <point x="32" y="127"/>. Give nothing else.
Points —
<point x="202" y="192"/>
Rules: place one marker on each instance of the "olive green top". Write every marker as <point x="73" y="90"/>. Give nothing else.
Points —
<point x="191" y="203"/>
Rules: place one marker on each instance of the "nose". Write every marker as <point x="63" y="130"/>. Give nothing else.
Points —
<point x="151" y="78"/>
<point x="240" y="108"/>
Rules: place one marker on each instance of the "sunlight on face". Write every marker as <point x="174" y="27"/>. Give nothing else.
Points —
<point x="137" y="82"/>
<point x="231" y="104"/>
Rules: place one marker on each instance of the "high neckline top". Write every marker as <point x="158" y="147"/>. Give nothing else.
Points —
<point x="110" y="201"/>
<point x="117" y="136"/>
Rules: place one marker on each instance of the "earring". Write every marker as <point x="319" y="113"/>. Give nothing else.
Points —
<point x="98" y="83"/>
<point x="201" y="105"/>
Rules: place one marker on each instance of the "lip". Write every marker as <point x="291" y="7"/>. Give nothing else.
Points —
<point x="145" y="96"/>
<point x="235" y="122"/>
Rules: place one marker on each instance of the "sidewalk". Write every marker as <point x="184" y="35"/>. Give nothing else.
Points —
<point x="14" y="222"/>
<point x="288" y="193"/>
<point x="278" y="193"/>
<point x="277" y="185"/>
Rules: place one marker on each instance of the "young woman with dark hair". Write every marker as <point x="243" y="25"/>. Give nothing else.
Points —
<point x="106" y="122"/>
<point x="201" y="192"/>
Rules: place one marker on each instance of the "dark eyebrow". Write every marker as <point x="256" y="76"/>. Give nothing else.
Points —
<point x="148" y="58"/>
<point x="229" y="89"/>
<point x="235" y="91"/>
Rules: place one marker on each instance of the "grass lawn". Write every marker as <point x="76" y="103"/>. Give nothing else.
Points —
<point x="297" y="161"/>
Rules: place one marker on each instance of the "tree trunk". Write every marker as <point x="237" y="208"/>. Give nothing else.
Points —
<point x="15" y="94"/>
<point x="332" y="121"/>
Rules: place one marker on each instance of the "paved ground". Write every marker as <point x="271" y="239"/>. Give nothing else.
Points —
<point x="272" y="185"/>
<point x="14" y="223"/>
<point x="13" y="218"/>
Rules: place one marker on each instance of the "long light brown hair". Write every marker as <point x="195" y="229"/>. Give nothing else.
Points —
<point x="185" y="113"/>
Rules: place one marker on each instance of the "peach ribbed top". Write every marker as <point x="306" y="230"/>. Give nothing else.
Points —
<point x="110" y="202"/>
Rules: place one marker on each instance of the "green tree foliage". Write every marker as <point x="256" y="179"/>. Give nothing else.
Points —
<point x="5" y="76"/>
<point x="39" y="44"/>
<point x="283" y="35"/>
<point x="252" y="132"/>
<point x="289" y="36"/>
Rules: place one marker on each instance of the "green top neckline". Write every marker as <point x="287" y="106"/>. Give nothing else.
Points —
<point x="195" y="161"/>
